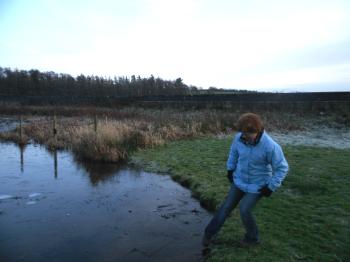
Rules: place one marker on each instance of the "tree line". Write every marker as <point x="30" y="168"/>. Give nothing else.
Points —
<point x="50" y="84"/>
<point x="35" y="83"/>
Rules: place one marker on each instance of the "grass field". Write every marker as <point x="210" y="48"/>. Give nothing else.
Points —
<point x="307" y="219"/>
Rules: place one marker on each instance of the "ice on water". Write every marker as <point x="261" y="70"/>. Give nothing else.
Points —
<point x="34" y="194"/>
<point x="3" y="197"/>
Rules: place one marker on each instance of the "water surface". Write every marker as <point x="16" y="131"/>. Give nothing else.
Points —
<point x="55" y="208"/>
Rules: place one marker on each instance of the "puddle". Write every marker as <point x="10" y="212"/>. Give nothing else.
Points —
<point x="54" y="208"/>
<point x="8" y="123"/>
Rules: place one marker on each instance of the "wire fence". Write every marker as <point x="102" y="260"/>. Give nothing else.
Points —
<point x="55" y="123"/>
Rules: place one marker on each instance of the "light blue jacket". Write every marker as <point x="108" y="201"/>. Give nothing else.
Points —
<point x="257" y="165"/>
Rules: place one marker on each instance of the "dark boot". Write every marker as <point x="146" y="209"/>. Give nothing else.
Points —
<point x="206" y="240"/>
<point x="248" y="243"/>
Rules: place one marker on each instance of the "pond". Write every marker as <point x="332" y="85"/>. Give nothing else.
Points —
<point x="56" y="208"/>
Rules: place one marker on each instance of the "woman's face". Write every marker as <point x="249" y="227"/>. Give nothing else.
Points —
<point x="248" y="136"/>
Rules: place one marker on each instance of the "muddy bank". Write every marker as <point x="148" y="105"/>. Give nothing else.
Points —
<point x="54" y="208"/>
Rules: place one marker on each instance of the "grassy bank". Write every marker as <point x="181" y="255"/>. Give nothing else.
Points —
<point x="307" y="219"/>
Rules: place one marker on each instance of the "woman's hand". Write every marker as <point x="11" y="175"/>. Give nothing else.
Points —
<point x="265" y="191"/>
<point x="230" y="175"/>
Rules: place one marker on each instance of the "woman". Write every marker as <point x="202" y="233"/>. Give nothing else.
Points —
<point x="256" y="167"/>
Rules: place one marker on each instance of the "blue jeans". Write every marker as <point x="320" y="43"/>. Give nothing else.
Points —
<point x="247" y="202"/>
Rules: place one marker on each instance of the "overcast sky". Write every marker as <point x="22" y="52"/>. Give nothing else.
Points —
<point x="252" y="44"/>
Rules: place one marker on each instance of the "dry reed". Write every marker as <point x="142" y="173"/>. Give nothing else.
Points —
<point x="129" y="129"/>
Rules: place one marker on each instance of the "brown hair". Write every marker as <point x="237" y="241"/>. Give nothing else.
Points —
<point x="250" y="123"/>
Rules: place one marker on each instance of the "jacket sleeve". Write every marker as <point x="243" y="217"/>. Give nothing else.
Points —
<point x="279" y="166"/>
<point x="233" y="156"/>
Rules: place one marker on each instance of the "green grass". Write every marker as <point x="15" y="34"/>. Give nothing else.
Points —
<point x="307" y="219"/>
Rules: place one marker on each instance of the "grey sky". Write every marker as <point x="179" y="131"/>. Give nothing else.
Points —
<point x="252" y="44"/>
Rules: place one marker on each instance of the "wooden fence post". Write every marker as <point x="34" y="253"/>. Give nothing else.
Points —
<point x="95" y="123"/>
<point x="20" y="128"/>
<point x="54" y="128"/>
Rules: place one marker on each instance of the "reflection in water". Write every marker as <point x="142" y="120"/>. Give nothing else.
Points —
<point x="53" y="152"/>
<point x="55" y="162"/>
<point x="22" y="148"/>
<point x="98" y="172"/>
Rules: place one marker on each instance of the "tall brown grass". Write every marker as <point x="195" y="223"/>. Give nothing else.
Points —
<point x="121" y="132"/>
